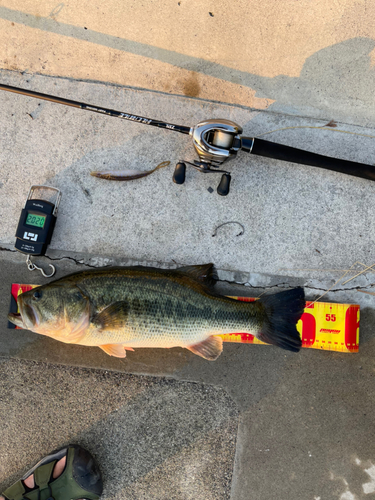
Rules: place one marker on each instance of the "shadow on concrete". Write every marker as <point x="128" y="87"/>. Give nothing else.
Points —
<point x="321" y="418"/>
<point x="153" y="438"/>
<point x="342" y="72"/>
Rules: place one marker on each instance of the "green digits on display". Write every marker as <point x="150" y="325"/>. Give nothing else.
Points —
<point x="35" y="220"/>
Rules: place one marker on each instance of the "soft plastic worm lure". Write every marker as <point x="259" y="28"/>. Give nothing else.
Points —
<point x="127" y="175"/>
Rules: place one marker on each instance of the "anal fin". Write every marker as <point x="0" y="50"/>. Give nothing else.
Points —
<point x="116" y="350"/>
<point x="210" y="348"/>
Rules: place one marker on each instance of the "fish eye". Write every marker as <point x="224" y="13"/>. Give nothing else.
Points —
<point x="37" y="295"/>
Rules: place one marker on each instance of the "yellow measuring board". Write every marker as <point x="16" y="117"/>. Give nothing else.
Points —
<point x="323" y="325"/>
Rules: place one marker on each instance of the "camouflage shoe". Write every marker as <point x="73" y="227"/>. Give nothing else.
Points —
<point x="80" y="478"/>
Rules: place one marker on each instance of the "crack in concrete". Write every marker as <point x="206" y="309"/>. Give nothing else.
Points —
<point x="309" y="287"/>
<point x="3" y="249"/>
<point x="76" y="261"/>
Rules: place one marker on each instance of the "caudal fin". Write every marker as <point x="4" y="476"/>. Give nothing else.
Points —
<point x="283" y="310"/>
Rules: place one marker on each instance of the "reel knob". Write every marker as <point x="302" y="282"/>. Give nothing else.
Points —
<point x="223" y="187"/>
<point x="179" y="173"/>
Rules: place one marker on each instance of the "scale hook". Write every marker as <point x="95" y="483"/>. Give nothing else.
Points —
<point x="31" y="267"/>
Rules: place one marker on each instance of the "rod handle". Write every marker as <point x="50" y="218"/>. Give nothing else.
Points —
<point x="286" y="153"/>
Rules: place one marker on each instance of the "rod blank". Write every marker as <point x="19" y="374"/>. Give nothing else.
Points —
<point x="97" y="109"/>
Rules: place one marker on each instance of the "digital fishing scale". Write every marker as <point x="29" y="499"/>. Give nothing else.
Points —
<point x="36" y="225"/>
<point x="217" y="141"/>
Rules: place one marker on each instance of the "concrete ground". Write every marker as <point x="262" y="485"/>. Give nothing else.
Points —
<point x="259" y="423"/>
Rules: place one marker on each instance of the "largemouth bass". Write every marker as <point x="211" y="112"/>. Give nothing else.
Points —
<point x="119" y="309"/>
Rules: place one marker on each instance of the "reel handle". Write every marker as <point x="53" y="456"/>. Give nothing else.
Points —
<point x="223" y="187"/>
<point x="179" y="173"/>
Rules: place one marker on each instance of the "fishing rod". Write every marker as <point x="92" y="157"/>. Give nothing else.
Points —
<point x="217" y="141"/>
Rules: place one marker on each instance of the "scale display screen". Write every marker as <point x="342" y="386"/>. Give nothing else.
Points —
<point x="35" y="220"/>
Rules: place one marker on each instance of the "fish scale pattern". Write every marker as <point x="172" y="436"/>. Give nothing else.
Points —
<point x="164" y="313"/>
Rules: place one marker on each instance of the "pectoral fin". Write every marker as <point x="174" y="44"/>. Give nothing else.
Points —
<point x="112" y="317"/>
<point x="116" y="350"/>
<point x="210" y="348"/>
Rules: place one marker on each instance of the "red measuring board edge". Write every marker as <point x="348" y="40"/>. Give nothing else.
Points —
<point x="13" y="300"/>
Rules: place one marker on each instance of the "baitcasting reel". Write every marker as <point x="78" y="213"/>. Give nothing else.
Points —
<point x="217" y="141"/>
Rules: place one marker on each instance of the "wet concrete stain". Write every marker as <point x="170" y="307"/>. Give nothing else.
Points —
<point x="191" y="86"/>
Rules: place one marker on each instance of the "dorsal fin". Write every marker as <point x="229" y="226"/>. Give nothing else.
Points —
<point x="204" y="273"/>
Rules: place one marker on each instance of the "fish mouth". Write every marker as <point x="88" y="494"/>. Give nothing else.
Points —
<point x="16" y="319"/>
<point x="26" y="318"/>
